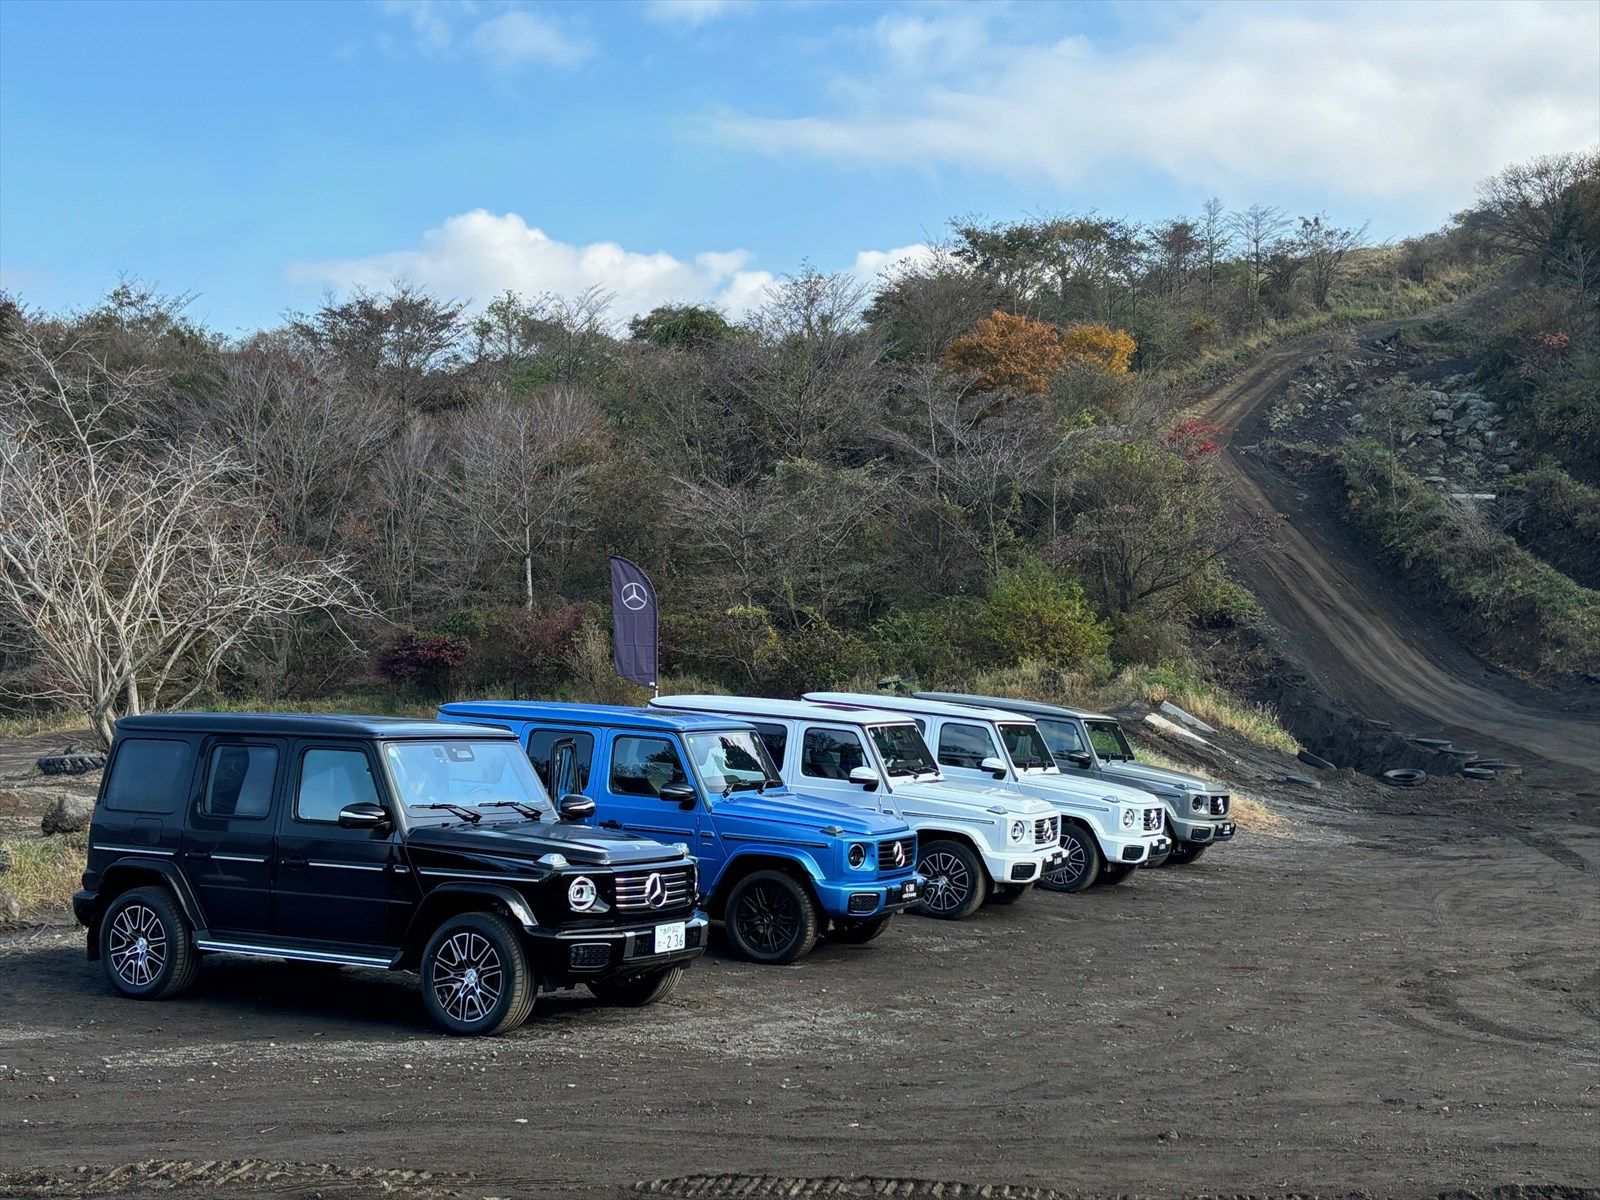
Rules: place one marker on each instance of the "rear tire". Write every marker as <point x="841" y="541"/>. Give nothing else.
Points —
<point x="859" y="933"/>
<point x="476" y="981"/>
<point x="958" y="883"/>
<point x="1115" y="873"/>
<point x="145" y="946"/>
<point x="1081" y="866"/>
<point x="635" y="991"/>
<point x="770" y="918"/>
<point x="1008" y="893"/>
<point x="1184" y="853"/>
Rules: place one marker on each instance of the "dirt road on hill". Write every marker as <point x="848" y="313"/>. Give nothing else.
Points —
<point x="1351" y="625"/>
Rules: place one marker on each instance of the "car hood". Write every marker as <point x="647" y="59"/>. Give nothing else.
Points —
<point x="948" y="791"/>
<point x="531" y="840"/>
<point x="1081" y="787"/>
<point x="1139" y="775"/>
<point x="809" y="813"/>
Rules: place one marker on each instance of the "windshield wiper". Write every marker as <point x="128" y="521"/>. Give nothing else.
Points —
<point x="460" y="810"/>
<point x="527" y="810"/>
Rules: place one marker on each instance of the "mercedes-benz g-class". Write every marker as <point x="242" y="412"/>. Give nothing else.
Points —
<point x="371" y="842"/>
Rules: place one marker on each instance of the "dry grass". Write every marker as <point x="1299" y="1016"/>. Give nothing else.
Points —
<point x="44" y="872"/>
<point x="1250" y="812"/>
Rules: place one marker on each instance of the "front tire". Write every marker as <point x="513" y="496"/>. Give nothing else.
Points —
<point x="859" y="933"/>
<point x="770" y="918"/>
<point x="145" y="946"/>
<point x="1081" y="866"/>
<point x="1115" y="873"/>
<point x="476" y="981"/>
<point x="636" y="991"/>
<point x="1008" y="893"/>
<point x="957" y="883"/>
<point x="1184" y="853"/>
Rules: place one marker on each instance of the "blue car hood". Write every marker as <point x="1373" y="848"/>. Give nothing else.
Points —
<point x="812" y="814"/>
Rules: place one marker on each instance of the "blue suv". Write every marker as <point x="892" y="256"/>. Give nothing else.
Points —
<point x="778" y="869"/>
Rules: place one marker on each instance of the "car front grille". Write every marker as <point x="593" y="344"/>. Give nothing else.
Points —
<point x="1219" y="806"/>
<point x="888" y="864"/>
<point x="1047" y="831"/>
<point x="673" y="888"/>
<point x="1152" y="819"/>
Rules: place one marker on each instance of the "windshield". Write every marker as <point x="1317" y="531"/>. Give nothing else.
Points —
<point x="732" y="760"/>
<point x="1062" y="737"/>
<point x="1108" y="740"/>
<point x="903" y="751"/>
<point x="466" y="780"/>
<point x="1026" y="747"/>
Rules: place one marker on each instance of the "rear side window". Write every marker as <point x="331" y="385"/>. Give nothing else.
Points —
<point x="239" y="782"/>
<point x="542" y="741"/>
<point x="831" y="753"/>
<point x="331" y="779"/>
<point x="775" y="738"/>
<point x="643" y="766"/>
<point x="964" y="746"/>
<point x="150" y="775"/>
<point x="1063" y="737"/>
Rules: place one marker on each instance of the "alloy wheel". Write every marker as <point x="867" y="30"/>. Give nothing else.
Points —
<point x="949" y="882"/>
<point x="137" y="945"/>
<point x="467" y="977"/>
<point x="768" y="918"/>
<point x="1074" y="863"/>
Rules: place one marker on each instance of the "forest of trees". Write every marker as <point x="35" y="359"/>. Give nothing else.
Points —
<point x="978" y="461"/>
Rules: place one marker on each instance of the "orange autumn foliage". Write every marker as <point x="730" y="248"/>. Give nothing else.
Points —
<point x="1006" y="352"/>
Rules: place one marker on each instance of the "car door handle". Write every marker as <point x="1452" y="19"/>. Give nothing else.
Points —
<point x="197" y="854"/>
<point x="610" y="824"/>
<point x="294" y="862"/>
<point x="707" y="837"/>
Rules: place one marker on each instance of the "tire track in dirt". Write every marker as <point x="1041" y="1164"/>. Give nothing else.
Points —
<point x="1351" y="624"/>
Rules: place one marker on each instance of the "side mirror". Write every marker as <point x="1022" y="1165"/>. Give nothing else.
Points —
<point x="363" y="816"/>
<point x="681" y="794"/>
<point x="575" y="807"/>
<point x="1080" y="759"/>
<point x="994" y="766"/>
<point x="865" y="777"/>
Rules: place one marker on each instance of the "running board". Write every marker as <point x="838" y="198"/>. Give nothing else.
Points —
<point x="299" y="954"/>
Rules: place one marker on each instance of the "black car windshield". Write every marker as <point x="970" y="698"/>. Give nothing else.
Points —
<point x="903" y="751"/>
<point x="1026" y="747"/>
<point x="732" y="760"/>
<point x="490" y="780"/>
<point x="1109" y="741"/>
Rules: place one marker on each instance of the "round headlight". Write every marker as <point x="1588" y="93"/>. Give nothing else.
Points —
<point x="1197" y="804"/>
<point x="1128" y="818"/>
<point x="858" y="856"/>
<point x="1019" y="830"/>
<point x="582" y="894"/>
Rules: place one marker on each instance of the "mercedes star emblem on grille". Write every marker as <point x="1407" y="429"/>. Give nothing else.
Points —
<point x="655" y="891"/>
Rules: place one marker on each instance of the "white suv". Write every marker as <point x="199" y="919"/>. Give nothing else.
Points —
<point x="974" y="844"/>
<point x="1107" y="829"/>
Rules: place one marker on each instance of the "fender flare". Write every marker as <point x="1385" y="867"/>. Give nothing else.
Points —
<point x="764" y="857"/>
<point x="111" y="885"/>
<point x="438" y="899"/>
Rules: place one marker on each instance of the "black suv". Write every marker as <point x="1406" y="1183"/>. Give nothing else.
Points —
<point x="411" y="845"/>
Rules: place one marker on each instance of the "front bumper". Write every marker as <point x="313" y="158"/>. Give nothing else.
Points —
<point x="870" y="898"/>
<point x="1203" y="833"/>
<point x="1134" y="849"/>
<point x="1023" y="866"/>
<point x="563" y="956"/>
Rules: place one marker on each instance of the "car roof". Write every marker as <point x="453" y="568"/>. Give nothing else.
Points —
<point x="296" y="725"/>
<point x="916" y="705"/>
<point x="1034" y="708"/>
<point x="794" y="710"/>
<point x="616" y="715"/>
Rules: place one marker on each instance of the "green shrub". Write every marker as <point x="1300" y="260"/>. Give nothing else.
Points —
<point x="1032" y="613"/>
<point x="928" y="643"/>
<point x="1559" y="521"/>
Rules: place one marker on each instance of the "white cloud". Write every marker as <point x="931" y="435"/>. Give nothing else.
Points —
<point x="428" y="18"/>
<point x="1414" y="102"/>
<point x="689" y="12"/>
<point x="518" y="37"/>
<point x="478" y="255"/>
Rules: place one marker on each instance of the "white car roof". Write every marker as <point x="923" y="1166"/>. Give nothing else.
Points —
<point x="911" y="706"/>
<point x="792" y="710"/>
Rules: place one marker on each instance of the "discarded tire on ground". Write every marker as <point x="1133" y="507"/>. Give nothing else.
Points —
<point x="1477" y="773"/>
<point x="1433" y="743"/>
<point x="1404" y="777"/>
<point x="70" y="764"/>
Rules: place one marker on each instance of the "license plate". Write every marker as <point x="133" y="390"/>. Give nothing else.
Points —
<point x="669" y="937"/>
<point x="908" y="890"/>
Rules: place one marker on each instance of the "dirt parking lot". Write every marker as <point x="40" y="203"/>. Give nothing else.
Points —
<point x="1400" y="998"/>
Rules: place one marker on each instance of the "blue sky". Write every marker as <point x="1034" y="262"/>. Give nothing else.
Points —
<point x="258" y="154"/>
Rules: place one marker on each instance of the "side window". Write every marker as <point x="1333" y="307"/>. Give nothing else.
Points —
<point x="642" y="766"/>
<point x="964" y="745"/>
<point x="331" y="779"/>
<point x="775" y="738"/>
<point x="1062" y="736"/>
<point x="150" y="775"/>
<point x="540" y="742"/>
<point x="831" y="753"/>
<point x="239" y="781"/>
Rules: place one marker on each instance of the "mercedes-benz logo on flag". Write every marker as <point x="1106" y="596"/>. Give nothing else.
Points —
<point x="655" y="891"/>
<point x="899" y="854"/>
<point x="633" y="596"/>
